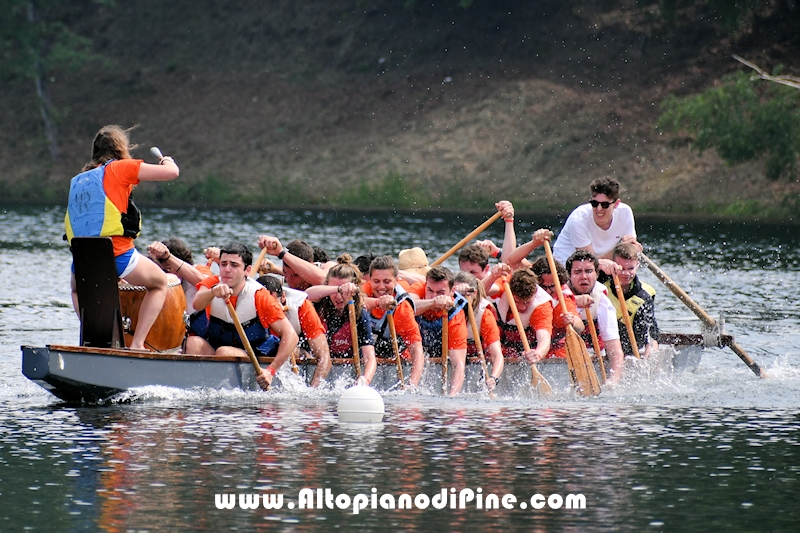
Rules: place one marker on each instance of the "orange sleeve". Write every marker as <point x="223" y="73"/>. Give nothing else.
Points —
<point x="418" y="288"/>
<point x="542" y="317"/>
<point x="490" y="331"/>
<point x="204" y="269"/>
<point x="268" y="309"/>
<point x="209" y="282"/>
<point x="309" y="320"/>
<point x="118" y="180"/>
<point x="457" y="332"/>
<point x="406" y="325"/>
<point x="558" y="315"/>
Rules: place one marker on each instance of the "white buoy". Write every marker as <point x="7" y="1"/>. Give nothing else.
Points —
<point x="361" y="404"/>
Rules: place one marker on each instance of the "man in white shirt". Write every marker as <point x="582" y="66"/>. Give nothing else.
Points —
<point x="582" y="268"/>
<point x="598" y="226"/>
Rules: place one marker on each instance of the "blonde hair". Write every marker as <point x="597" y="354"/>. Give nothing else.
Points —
<point x="111" y="142"/>
<point x="344" y="270"/>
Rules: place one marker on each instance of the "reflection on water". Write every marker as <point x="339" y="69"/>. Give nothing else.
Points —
<point x="150" y="467"/>
<point x="711" y="449"/>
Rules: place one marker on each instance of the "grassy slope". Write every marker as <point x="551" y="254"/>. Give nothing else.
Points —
<point x="357" y="103"/>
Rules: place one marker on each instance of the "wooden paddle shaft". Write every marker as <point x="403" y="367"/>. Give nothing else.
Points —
<point x="595" y="342"/>
<point x="395" y="347"/>
<point x="554" y="273"/>
<point x="701" y="314"/>
<point x="445" y="348"/>
<point x="626" y="317"/>
<point x="257" y="264"/>
<point x="351" y="307"/>
<point x="245" y="340"/>
<point x="476" y="336"/>
<point x="477" y="231"/>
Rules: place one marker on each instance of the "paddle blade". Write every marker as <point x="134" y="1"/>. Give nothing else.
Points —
<point x="580" y="365"/>
<point x="539" y="382"/>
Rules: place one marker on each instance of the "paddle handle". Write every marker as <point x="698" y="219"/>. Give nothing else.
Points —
<point x="554" y="272"/>
<point x="445" y="348"/>
<point x="476" y="336"/>
<point x="595" y="342"/>
<point x="351" y="307"/>
<point x="395" y="348"/>
<point x="257" y="263"/>
<point x="294" y="362"/>
<point x="477" y="231"/>
<point x="701" y="314"/>
<point x="626" y="317"/>
<point x="243" y="336"/>
<point x="157" y="153"/>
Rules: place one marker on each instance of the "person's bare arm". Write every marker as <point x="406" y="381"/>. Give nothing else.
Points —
<point x="167" y="170"/>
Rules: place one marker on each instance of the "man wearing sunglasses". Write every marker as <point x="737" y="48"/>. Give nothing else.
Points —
<point x="598" y="226"/>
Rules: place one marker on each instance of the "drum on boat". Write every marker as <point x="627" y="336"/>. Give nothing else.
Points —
<point x="169" y="328"/>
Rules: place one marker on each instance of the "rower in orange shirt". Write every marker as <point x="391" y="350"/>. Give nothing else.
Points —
<point x="434" y="296"/>
<point x="535" y="308"/>
<point x="560" y="320"/>
<point x="384" y="293"/>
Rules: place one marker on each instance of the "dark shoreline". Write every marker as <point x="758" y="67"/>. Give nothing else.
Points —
<point x="645" y="216"/>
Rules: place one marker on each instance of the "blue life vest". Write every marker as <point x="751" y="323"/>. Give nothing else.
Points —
<point x="90" y="213"/>
<point x="431" y="330"/>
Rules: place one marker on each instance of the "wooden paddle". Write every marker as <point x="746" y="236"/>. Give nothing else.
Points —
<point x="477" y="231"/>
<point x="294" y="362"/>
<point x="577" y="355"/>
<point x="245" y="340"/>
<point x="395" y="347"/>
<point x="701" y="314"/>
<point x="257" y="264"/>
<point x="476" y="335"/>
<point x="626" y="317"/>
<point x="596" y="343"/>
<point x="351" y="306"/>
<point x="537" y="379"/>
<point x="445" y="349"/>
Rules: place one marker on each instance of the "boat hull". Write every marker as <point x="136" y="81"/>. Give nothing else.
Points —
<point x="90" y="375"/>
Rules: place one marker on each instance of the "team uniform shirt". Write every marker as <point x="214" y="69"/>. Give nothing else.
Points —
<point x="489" y="330"/>
<point x="539" y="318"/>
<point x="557" y="344"/>
<point x="310" y="323"/>
<point x="268" y="309"/>
<point x="457" y="326"/>
<point x="338" y="331"/>
<point x="580" y="231"/>
<point x="118" y="181"/>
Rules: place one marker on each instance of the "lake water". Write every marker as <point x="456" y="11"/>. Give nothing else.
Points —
<point x="712" y="449"/>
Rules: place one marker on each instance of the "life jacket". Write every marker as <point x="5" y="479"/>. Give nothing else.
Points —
<point x="90" y="213"/>
<point x="380" y="326"/>
<point x="294" y="299"/>
<point x="221" y="330"/>
<point x="598" y="291"/>
<point x="483" y="306"/>
<point x="510" y="340"/>
<point x="641" y="294"/>
<point x="431" y="330"/>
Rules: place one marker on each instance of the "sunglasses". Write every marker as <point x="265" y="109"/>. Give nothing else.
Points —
<point x="548" y="287"/>
<point x="604" y="205"/>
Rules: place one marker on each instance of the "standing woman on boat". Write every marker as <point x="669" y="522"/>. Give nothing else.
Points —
<point x="100" y="204"/>
<point x="342" y="285"/>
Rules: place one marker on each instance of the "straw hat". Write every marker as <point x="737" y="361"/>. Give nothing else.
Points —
<point x="414" y="260"/>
